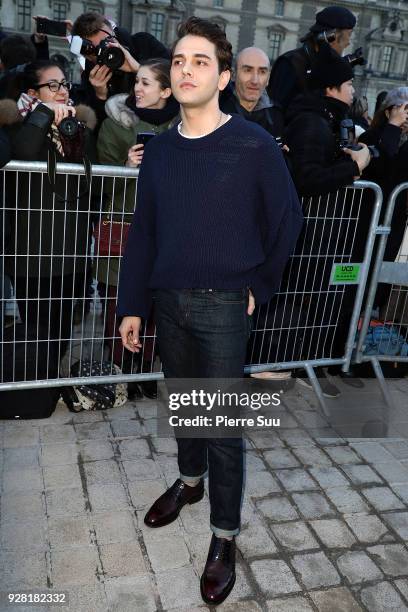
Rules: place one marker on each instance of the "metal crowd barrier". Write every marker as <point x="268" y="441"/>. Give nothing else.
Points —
<point x="62" y="308"/>
<point x="389" y="285"/>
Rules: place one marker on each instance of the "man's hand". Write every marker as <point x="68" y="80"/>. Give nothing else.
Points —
<point x="99" y="78"/>
<point x="129" y="330"/>
<point x="251" y="303"/>
<point x="361" y="157"/>
<point x="130" y="64"/>
<point x="60" y="111"/>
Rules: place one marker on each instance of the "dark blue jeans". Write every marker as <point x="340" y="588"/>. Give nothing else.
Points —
<point x="203" y="333"/>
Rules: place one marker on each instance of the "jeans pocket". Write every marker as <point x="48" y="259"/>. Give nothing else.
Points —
<point x="235" y="296"/>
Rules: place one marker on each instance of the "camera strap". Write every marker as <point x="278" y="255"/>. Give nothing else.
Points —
<point x="52" y="174"/>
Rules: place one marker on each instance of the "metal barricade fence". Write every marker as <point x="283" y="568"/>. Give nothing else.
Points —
<point x="64" y="288"/>
<point x="386" y="305"/>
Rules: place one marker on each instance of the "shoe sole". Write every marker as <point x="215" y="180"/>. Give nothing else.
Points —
<point x="217" y="602"/>
<point x="308" y="385"/>
<point x="172" y="517"/>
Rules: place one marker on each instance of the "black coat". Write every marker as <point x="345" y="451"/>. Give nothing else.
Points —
<point x="41" y="223"/>
<point x="264" y="114"/>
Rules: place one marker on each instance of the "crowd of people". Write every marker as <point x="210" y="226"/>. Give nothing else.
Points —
<point x="302" y="102"/>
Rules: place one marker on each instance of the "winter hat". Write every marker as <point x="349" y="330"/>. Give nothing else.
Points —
<point x="330" y="69"/>
<point x="396" y="97"/>
<point x="334" y="17"/>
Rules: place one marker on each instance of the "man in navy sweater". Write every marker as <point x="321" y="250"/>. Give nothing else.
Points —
<point x="216" y="220"/>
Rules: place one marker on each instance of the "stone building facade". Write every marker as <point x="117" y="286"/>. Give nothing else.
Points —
<point x="273" y="25"/>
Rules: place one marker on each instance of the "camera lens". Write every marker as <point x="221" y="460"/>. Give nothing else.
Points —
<point x="112" y="57"/>
<point x="69" y="127"/>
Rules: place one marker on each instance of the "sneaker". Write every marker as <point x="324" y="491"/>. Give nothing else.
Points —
<point x="328" y="388"/>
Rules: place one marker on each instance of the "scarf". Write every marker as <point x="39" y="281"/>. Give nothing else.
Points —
<point x="27" y="104"/>
<point x="155" y="116"/>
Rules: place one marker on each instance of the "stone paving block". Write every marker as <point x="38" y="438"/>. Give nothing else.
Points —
<point x="333" y="533"/>
<point x="144" y="492"/>
<point x="102" y="472"/>
<point x="28" y="535"/>
<point x="362" y="474"/>
<point x="397" y="448"/>
<point x="315" y="570"/>
<point x="124" y="559"/>
<point x="295" y="480"/>
<point x="58" y="454"/>
<point x="310" y="418"/>
<point x="66" y="531"/>
<point x="382" y="498"/>
<point x="133" y="448"/>
<point x="130" y="594"/>
<point x="343" y="455"/>
<point x="260" y="484"/>
<point x="346" y="500"/>
<point x="127" y="411"/>
<point x="402" y="585"/>
<point x="312" y="456"/>
<point x="294" y="536"/>
<point x="127" y="429"/>
<point x="328" y="477"/>
<point x="61" y="476"/>
<point x="167" y="446"/>
<point x="22" y="480"/>
<point x="339" y="599"/>
<point x="296" y="438"/>
<point x="382" y="597"/>
<point x="357" y="567"/>
<point x="312" y="505"/>
<point x="75" y="566"/>
<point x="85" y="599"/>
<point x="254" y="540"/>
<point x="172" y="529"/>
<point x="291" y="604"/>
<point x="22" y="506"/>
<point x="238" y="606"/>
<point x="95" y="450"/>
<point x="89" y="416"/>
<point x="26" y="456"/>
<point x="277" y="508"/>
<point x="18" y="435"/>
<point x="287" y="421"/>
<point x="372" y="452"/>
<point x="114" y="527"/>
<point x="401" y="491"/>
<point x="367" y="528"/>
<point x="107" y="497"/>
<point x="141" y="469"/>
<point x="280" y="458"/>
<point x="19" y="571"/>
<point x="62" y="502"/>
<point x="196" y="518"/>
<point x="53" y="434"/>
<point x="274" y="577"/>
<point x="398" y="521"/>
<point x="264" y="440"/>
<point x="392" y="558"/>
<point x="167" y="553"/>
<point x="393" y="471"/>
<point x="93" y="431"/>
<point x="253" y="463"/>
<point x="179" y="588"/>
<point x="198" y="545"/>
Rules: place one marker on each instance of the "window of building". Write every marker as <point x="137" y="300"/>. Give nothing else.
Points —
<point x="24" y="15"/>
<point x="60" y="10"/>
<point x="279" y="8"/>
<point x="218" y="3"/>
<point x="386" y="58"/>
<point x="157" y="25"/>
<point x="93" y="7"/>
<point x="275" y="40"/>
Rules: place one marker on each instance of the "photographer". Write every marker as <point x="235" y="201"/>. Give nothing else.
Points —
<point x="291" y="72"/>
<point x="46" y="257"/>
<point x="99" y="81"/>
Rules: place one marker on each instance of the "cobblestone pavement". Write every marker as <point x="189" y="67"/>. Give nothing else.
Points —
<point x="324" y="519"/>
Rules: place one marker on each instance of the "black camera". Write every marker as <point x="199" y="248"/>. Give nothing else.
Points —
<point x="356" y="58"/>
<point x="347" y="136"/>
<point x="69" y="127"/>
<point x="112" y="57"/>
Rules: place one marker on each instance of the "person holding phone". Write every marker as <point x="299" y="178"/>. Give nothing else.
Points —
<point x="131" y="121"/>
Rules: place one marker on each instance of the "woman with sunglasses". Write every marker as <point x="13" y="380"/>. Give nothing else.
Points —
<point x="50" y="217"/>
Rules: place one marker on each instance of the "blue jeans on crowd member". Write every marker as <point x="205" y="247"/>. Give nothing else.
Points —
<point x="203" y="333"/>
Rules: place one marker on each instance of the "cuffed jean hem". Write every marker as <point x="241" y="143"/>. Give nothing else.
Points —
<point x="223" y="533"/>
<point x="188" y="479"/>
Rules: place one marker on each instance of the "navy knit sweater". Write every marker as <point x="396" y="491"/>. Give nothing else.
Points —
<point x="217" y="212"/>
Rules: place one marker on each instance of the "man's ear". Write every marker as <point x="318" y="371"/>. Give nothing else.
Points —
<point x="224" y="79"/>
<point x="166" y="93"/>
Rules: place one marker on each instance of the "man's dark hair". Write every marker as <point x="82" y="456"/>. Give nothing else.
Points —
<point x="89" y="24"/>
<point x="16" y="50"/>
<point x="212" y="32"/>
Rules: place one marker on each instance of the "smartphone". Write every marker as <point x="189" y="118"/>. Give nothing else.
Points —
<point x="51" y="27"/>
<point x="144" y="137"/>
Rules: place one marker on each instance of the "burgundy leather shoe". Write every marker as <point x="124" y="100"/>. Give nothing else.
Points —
<point x="167" y="507"/>
<point x="218" y="578"/>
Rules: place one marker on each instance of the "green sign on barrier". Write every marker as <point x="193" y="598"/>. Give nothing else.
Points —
<point x="345" y="274"/>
